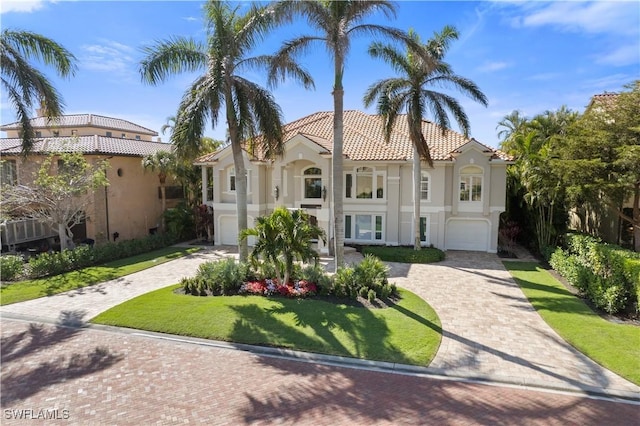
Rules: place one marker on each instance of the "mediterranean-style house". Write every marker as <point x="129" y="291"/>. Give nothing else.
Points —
<point x="129" y="207"/>
<point x="462" y="196"/>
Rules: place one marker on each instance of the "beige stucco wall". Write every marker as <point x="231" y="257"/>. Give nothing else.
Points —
<point x="131" y="197"/>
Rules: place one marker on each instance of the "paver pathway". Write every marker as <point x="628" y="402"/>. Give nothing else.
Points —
<point x="491" y="331"/>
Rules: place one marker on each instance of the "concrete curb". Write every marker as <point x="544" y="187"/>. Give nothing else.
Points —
<point x="613" y="395"/>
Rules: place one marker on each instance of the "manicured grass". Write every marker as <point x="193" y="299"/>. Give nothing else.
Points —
<point x="20" y="291"/>
<point x="405" y="254"/>
<point x="408" y="332"/>
<point x="614" y="346"/>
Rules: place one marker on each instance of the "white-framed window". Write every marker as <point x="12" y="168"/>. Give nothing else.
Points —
<point x="363" y="227"/>
<point x="365" y="183"/>
<point x="425" y="186"/>
<point x="312" y="182"/>
<point x="8" y="172"/>
<point x="471" y="183"/>
<point x="74" y="133"/>
<point x="231" y="181"/>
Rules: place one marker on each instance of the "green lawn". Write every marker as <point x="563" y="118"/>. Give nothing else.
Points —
<point x="405" y="254"/>
<point x="614" y="346"/>
<point x="408" y="332"/>
<point x="12" y="292"/>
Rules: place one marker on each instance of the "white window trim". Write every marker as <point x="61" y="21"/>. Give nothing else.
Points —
<point x="374" y="179"/>
<point x="231" y="171"/>
<point x="373" y="223"/>
<point x="472" y="176"/>
<point x="428" y="175"/>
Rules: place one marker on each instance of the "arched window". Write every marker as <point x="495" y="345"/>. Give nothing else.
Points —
<point x="471" y="183"/>
<point x="312" y="182"/>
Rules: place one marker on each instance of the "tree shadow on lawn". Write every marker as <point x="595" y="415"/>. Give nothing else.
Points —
<point x="368" y="332"/>
<point x="78" y="279"/>
<point x="21" y="378"/>
<point x="368" y="397"/>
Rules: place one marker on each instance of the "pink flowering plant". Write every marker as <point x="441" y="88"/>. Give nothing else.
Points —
<point x="269" y="287"/>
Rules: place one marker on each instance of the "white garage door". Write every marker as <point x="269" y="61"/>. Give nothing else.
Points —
<point x="228" y="230"/>
<point x="467" y="235"/>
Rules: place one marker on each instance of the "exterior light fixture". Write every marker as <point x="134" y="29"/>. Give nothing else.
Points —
<point x="276" y="192"/>
<point x="324" y="193"/>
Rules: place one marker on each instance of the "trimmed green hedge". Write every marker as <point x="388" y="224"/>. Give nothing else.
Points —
<point x="55" y="263"/>
<point x="606" y="274"/>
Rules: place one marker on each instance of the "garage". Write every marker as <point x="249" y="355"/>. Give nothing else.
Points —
<point x="467" y="234"/>
<point x="228" y="230"/>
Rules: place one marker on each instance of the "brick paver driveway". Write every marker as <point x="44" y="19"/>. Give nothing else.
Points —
<point x="92" y="377"/>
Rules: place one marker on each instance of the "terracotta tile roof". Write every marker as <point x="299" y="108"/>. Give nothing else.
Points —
<point x="364" y="138"/>
<point x="605" y="100"/>
<point x="86" y="144"/>
<point x="84" y="120"/>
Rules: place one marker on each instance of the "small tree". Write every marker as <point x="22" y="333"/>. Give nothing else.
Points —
<point x="164" y="163"/>
<point x="284" y="237"/>
<point x="60" y="199"/>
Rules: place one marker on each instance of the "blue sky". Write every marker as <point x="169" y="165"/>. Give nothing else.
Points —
<point x="531" y="56"/>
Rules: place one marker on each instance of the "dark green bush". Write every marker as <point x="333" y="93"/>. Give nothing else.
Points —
<point x="11" y="267"/>
<point x="607" y="274"/>
<point x="54" y="263"/>
<point x="316" y="274"/>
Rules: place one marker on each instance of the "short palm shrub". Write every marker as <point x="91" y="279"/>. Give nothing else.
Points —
<point x="220" y="277"/>
<point x="368" y="280"/>
<point x="11" y="267"/>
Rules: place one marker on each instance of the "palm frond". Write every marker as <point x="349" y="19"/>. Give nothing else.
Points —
<point x="172" y="56"/>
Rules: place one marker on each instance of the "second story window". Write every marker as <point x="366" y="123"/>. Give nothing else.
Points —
<point x="365" y="183"/>
<point x="56" y="133"/>
<point x="425" y="183"/>
<point x="471" y="183"/>
<point x="108" y="134"/>
<point x="232" y="180"/>
<point x="74" y="133"/>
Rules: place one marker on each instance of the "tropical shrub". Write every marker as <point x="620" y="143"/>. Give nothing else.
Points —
<point x="282" y="238"/>
<point x="11" y="267"/>
<point x="180" y="221"/>
<point x="368" y="279"/>
<point x="606" y="274"/>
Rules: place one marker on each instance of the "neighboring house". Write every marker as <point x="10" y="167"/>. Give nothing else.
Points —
<point x="461" y="197"/>
<point x="130" y="207"/>
<point x="597" y="221"/>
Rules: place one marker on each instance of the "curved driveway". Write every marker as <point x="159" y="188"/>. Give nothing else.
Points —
<point x="490" y="330"/>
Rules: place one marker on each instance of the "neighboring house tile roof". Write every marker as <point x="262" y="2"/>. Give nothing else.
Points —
<point x="86" y="144"/>
<point x="604" y="100"/>
<point x="364" y="138"/>
<point x="84" y="120"/>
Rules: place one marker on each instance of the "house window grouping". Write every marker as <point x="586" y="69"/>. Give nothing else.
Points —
<point x="365" y="183"/>
<point x="363" y="227"/>
<point x="232" y="180"/>
<point x="471" y="184"/>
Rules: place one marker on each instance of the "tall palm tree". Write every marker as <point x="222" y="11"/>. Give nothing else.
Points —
<point x="511" y="123"/>
<point x="337" y="23"/>
<point x="249" y="108"/>
<point x="411" y="92"/>
<point x="25" y="85"/>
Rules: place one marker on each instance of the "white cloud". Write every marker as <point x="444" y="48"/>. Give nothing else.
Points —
<point x="546" y="76"/>
<point x="110" y="56"/>
<point x="21" y="6"/>
<point x="590" y="17"/>
<point x="190" y="18"/>
<point x="493" y="66"/>
<point x="613" y="82"/>
<point x="621" y="56"/>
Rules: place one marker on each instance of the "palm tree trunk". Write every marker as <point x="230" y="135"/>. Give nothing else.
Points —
<point x="336" y="164"/>
<point x="241" y="198"/>
<point x="636" y="217"/>
<point x="416" y="198"/>
<point x="163" y="194"/>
